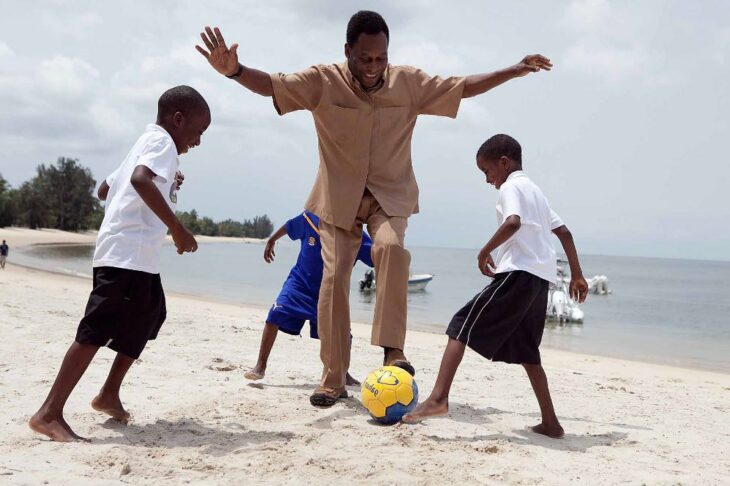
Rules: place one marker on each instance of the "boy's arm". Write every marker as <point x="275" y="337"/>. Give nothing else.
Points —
<point x="477" y="84"/>
<point x="269" y="250"/>
<point x="142" y="182"/>
<point x="103" y="190"/>
<point x="225" y="61"/>
<point x="578" y="284"/>
<point x="503" y="233"/>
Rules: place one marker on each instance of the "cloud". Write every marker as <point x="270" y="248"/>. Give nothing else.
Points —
<point x="587" y="14"/>
<point x="426" y="55"/>
<point x="610" y="63"/>
<point x="70" y="24"/>
<point x="5" y="51"/>
<point x="614" y="43"/>
<point x="66" y="77"/>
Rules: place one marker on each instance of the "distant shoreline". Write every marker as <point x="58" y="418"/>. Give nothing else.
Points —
<point x="18" y="237"/>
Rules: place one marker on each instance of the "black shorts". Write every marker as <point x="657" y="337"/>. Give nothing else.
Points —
<point x="505" y="321"/>
<point x="126" y="308"/>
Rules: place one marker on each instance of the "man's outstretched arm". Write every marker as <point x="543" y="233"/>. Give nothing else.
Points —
<point x="225" y="61"/>
<point x="477" y="84"/>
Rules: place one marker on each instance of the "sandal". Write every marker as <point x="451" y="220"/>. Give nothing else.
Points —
<point x="404" y="365"/>
<point x="326" y="397"/>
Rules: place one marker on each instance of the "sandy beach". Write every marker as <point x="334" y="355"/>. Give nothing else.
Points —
<point x="197" y="420"/>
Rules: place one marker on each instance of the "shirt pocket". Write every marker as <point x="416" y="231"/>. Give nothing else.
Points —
<point x="394" y="121"/>
<point x="341" y="124"/>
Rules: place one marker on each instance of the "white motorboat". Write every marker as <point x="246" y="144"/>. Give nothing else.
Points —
<point x="598" y="285"/>
<point x="560" y="306"/>
<point x="416" y="283"/>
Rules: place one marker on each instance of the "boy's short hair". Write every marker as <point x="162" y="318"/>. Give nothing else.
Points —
<point x="182" y="98"/>
<point x="501" y="145"/>
<point x="368" y="22"/>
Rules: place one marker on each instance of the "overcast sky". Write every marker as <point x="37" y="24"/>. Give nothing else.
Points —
<point x="625" y="135"/>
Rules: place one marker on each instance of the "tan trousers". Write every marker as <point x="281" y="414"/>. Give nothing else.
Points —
<point x="392" y="262"/>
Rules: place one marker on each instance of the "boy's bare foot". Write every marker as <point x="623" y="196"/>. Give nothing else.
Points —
<point x="110" y="406"/>
<point x="351" y="381"/>
<point x="552" y="431"/>
<point x="54" y="428"/>
<point x="255" y="374"/>
<point x="429" y="408"/>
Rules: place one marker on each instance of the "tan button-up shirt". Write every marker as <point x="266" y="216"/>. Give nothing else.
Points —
<point x="364" y="137"/>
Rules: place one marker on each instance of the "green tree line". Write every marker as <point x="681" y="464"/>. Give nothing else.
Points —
<point x="62" y="196"/>
<point x="258" y="227"/>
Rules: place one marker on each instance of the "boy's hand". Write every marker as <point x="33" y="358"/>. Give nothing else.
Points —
<point x="269" y="253"/>
<point x="578" y="288"/>
<point x="532" y="64"/>
<point x="179" y="179"/>
<point x="485" y="263"/>
<point x="223" y="59"/>
<point x="183" y="239"/>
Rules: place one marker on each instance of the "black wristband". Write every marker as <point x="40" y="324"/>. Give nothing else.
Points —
<point x="237" y="73"/>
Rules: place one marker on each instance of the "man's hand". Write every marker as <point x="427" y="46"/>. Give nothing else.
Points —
<point x="223" y="59"/>
<point x="183" y="239"/>
<point x="578" y="288"/>
<point x="179" y="179"/>
<point x="269" y="253"/>
<point x="485" y="262"/>
<point x="532" y="64"/>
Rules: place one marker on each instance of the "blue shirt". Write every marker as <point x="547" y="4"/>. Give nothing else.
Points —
<point x="300" y="292"/>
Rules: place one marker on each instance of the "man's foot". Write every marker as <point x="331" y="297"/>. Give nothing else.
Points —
<point x="256" y="373"/>
<point x="55" y="428"/>
<point x="395" y="357"/>
<point x="553" y="431"/>
<point x="326" y="397"/>
<point x="111" y="406"/>
<point x="351" y="381"/>
<point x="429" y="408"/>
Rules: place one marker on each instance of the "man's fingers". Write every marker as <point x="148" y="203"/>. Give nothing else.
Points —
<point x="202" y="51"/>
<point x="219" y="37"/>
<point x="211" y="36"/>
<point x="234" y="50"/>
<point x="206" y="41"/>
<point x="536" y="62"/>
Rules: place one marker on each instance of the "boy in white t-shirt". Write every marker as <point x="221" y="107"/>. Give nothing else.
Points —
<point x="505" y="321"/>
<point x="126" y="307"/>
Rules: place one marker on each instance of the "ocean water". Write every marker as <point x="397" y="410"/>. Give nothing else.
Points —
<point x="661" y="310"/>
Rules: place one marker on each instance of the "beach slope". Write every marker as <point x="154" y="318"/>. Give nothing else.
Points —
<point x="196" y="419"/>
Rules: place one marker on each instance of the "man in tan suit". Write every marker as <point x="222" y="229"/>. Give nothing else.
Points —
<point x="364" y="111"/>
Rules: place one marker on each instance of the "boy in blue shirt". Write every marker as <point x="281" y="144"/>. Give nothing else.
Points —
<point x="297" y="301"/>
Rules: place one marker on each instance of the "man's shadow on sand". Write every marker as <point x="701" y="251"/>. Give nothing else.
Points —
<point x="216" y="441"/>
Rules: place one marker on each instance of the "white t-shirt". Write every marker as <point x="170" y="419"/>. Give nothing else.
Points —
<point x="530" y="249"/>
<point x="131" y="235"/>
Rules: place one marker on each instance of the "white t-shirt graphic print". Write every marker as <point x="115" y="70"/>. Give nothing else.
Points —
<point x="131" y="235"/>
<point x="531" y="248"/>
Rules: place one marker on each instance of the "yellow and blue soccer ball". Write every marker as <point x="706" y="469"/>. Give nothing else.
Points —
<point x="389" y="393"/>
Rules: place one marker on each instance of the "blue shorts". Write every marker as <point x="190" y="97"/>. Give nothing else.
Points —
<point x="289" y="323"/>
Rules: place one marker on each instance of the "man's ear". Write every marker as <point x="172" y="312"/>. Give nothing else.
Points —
<point x="504" y="161"/>
<point x="178" y="119"/>
<point x="348" y="50"/>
